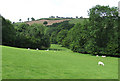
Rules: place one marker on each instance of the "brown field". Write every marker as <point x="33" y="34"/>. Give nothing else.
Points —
<point x="50" y="22"/>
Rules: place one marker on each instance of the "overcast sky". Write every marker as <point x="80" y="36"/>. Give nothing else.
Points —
<point x="23" y="9"/>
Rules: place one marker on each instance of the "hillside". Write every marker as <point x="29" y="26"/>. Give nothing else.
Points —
<point x="74" y="21"/>
<point x="57" y="63"/>
<point x="50" y="22"/>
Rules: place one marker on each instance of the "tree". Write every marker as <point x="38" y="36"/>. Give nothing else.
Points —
<point x="76" y="17"/>
<point x="55" y="28"/>
<point x="77" y="37"/>
<point x="103" y="21"/>
<point x="28" y="19"/>
<point x="33" y="19"/>
<point x="20" y="20"/>
<point x="81" y="17"/>
<point x="52" y="17"/>
<point x="8" y="32"/>
<point x="61" y="35"/>
<point x="45" y="23"/>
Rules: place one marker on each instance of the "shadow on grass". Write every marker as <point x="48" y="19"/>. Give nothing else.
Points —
<point x="57" y="49"/>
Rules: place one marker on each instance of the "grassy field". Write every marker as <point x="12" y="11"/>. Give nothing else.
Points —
<point x="0" y="62"/>
<point x="75" y="21"/>
<point x="50" y="22"/>
<point x="57" y="63"/>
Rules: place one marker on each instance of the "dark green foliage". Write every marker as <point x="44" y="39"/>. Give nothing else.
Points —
<point x="77" y="37"/>
<point x="28" y="19"/>
<point x="0" y="30"/>
<point x="61" y="35"/>
<point x="33" y="19"/>
<point x="118" y="32"/>
<point x="24" y="35"/>
<point x="45" y="23"/>
<point x="53" y="37"/>
<point x="20" y="20"/>
<point x="31" y="36"/>
<point x="65" y="25"/>
<point x="103" y="20"/>
<point x="58" y="31"/>
<point x="8" y="32"/>
<point x="98" y="35"/>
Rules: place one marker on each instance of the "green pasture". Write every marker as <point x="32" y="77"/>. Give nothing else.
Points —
<point x="57" y="63"/>
<point x="75" y="21"/>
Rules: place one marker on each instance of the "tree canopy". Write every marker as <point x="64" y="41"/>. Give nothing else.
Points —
<point x="45" y="23"/>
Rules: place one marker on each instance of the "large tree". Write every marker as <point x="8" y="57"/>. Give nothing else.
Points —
<point x="104" y="26"/>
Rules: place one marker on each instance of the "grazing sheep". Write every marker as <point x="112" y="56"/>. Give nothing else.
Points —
<point x="100" y="63"/>
<point x="103" y="56"/>
<point x="96" y="55"/>
<point x="47" y="50"/>
<point x="37" y="49"/>
<point x="28" y="48"/>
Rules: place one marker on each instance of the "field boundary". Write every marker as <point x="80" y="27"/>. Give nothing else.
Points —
<point x="0" y="48"/>
<point x="60" y="80"/>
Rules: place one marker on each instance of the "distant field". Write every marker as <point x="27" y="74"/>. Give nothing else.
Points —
<point x="50" y="22"/>
<point x="75" y="21"/>
<point x="58" y="63"/>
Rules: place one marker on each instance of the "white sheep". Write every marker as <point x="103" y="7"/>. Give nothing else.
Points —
<point x="37" y="49"/>
<point x="100" y="63"/>
<point x="96" y="55"/>
<point x="103" y="56"/>
<point x="28" y="48"/>
<point x="47" y="50"/>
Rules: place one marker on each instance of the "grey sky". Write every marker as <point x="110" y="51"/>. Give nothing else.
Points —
<point x="22" y="9"/>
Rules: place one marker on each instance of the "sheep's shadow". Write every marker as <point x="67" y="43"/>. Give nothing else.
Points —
<point x="56" y="49"/>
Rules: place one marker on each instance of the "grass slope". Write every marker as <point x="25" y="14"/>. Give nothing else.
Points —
<point x="0" y="62"/>
<point x="50" y="22"/>
<point x="75" y="21"/>
<point x="58" y="63"/>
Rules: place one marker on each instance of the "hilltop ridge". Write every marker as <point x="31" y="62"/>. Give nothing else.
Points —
<point x="50" y="22"/>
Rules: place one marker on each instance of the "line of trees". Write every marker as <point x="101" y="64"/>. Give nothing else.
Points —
<point x="28" y="19"/>
<point x="65" y="17"/>
<point x="24" y="35"/>
<point x="98" y="35"/>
